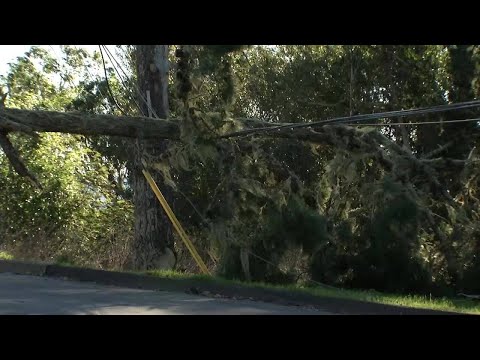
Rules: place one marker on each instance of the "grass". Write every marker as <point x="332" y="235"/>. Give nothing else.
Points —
<point x="59" y="261"/>
<point x="5" y="256"/>
<point x="466" y="306"/>
<point x="64" y="260"/>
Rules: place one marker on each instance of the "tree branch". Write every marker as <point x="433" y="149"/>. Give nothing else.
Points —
<point x="16" y="160"/>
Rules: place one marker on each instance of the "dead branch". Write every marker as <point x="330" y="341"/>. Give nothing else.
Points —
<point x="16" y="161"/>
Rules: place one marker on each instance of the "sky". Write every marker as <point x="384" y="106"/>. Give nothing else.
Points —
<point x="8" y="53"/>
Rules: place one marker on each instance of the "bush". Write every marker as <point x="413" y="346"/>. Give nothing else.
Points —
<point x="296" y="226"/>
<point x="390" y="262"/>
<point x="77" y="213"/>
<point x="5" y="256"/>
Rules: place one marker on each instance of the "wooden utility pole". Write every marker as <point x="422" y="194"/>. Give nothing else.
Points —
<point x="153" y="241"/>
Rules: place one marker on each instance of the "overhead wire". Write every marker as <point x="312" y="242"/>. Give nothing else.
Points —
<point x="108" y="83"/>
<point x="142" y="97"/>
<point x="112" y="60"/>
<point x="350" y="119"/>
<point x="438" y="122"/>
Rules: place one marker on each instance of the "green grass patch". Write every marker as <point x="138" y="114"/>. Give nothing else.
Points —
<point x="5" y="256"/>
<point x="414" y="301"/>
<point x="64" y="260"/>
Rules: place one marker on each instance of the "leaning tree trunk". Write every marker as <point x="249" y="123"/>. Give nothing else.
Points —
<point x="153" y="241"/>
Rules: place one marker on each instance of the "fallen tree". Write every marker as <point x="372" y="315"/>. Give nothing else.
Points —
<point x="339" y="136"/>
<point x="28" y="121"/>
<point x="389" y="155"/>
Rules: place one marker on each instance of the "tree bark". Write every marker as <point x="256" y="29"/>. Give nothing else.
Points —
<point x="87" y="124"/>
<point x="153" y="232"/>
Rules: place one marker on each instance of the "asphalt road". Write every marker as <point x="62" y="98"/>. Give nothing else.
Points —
<point x="33" y="295"/>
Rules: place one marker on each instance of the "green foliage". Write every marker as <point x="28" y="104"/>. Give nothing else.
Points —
<point x="472" y="274"/>
<point x="220" y="50"/>
<point x="78" y="213"/>
<point x="297" y="225"/>
<point x="391" y="260"/>
<point x="73" y="213"/>
<point x="293" y="226"/>
<point x="5" y="256"/>
<point x="64" y="260"/>
<point x="377" y="228"/>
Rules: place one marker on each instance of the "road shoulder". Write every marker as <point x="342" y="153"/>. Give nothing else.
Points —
<point x="211" y="289"/>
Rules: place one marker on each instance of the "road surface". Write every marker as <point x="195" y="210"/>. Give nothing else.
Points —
<point x="33" y="295"/>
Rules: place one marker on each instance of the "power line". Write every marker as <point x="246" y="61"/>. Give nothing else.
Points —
<point x="364" y="117"/>
<point x="420" y="123"/>
<point x="136" y="88"/>
<point x="138" y="91"/>
<point x="110" y="55"/>
<point x="108" y="83"/>
<point x="112" y="58"/>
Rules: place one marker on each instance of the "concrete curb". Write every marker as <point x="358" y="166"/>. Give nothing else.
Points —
<point x="23" y="268"/>
<point x="206" y="288"/>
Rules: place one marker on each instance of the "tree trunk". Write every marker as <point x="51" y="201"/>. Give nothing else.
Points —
<point x="153" y="241"/>
<point x="28" y="121"/>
